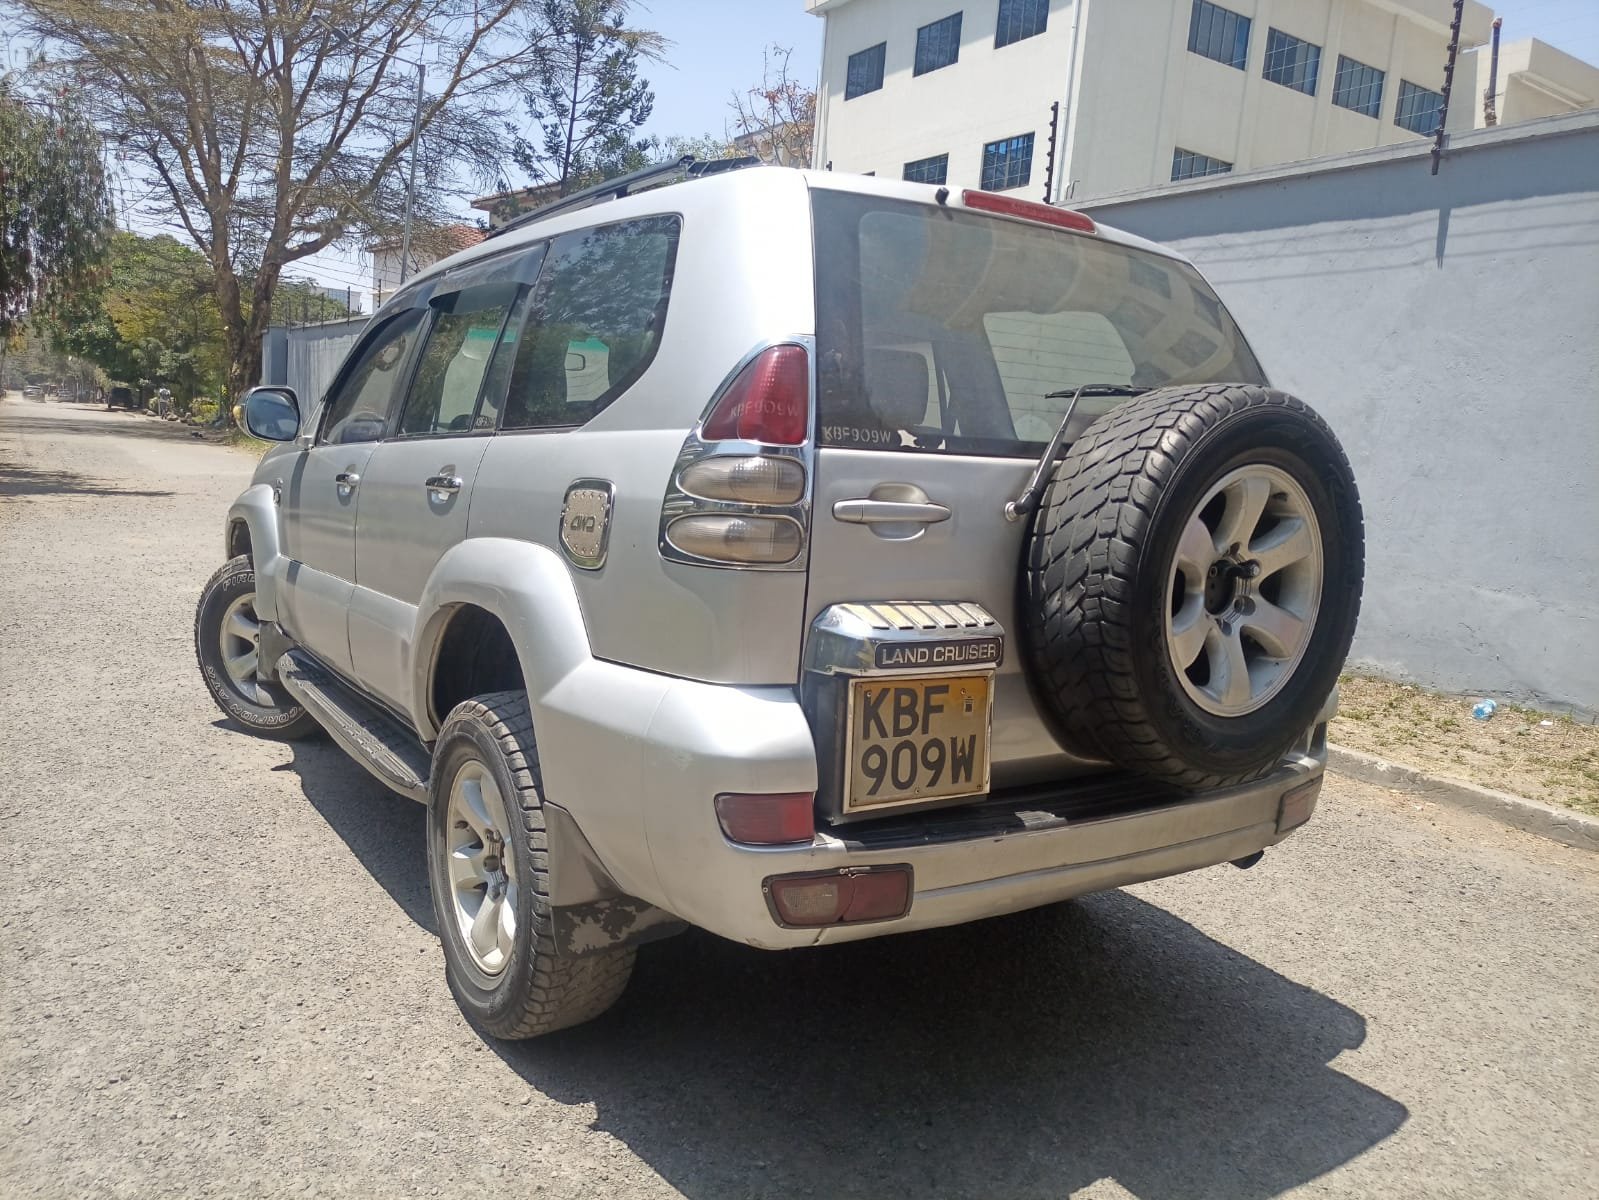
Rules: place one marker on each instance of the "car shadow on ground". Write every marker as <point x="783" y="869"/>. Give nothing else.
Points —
<point x="1026" y="1056"/>
<point x="383" y="829"/>
<point x="121" y="424"/>
<point x="25" y="481"/>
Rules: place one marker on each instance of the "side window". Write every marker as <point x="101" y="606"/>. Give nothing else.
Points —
<point x="366" y="395"/>
<point x="449" y="376"/>
<point x="594" y="322"/>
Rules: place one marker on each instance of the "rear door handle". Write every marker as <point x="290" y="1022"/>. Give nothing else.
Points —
<point x="864" y="511"/>
<point x="443" y="483"/>
<point x="347" y="479"/>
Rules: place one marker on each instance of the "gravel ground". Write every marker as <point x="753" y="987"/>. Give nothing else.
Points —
<point x="220" y="976"/>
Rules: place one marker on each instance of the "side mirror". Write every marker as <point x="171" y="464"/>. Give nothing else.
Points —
<point x="271" y="414"/>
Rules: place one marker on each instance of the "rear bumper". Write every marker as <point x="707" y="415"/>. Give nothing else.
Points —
<point x="984" y="873"/>
<point x="637" y="759"/>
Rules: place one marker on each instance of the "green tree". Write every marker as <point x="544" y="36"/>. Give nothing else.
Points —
<point x="268" y="130"/>
<point x="586" y="95"/>
<point x="156" y="321"/>
<point x="55" y="215"/>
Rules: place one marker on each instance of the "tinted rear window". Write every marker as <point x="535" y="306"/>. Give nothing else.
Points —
<point x="942" y="330"/>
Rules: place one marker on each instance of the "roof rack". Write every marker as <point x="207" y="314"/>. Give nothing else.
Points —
<point x="658" y="175"/>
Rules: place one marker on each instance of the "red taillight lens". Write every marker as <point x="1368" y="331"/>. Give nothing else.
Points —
<point x="769" y="401"/>
<point x="1029" y="210"/>
<point x="770" y="819"/>
<point x="841" y="897"/>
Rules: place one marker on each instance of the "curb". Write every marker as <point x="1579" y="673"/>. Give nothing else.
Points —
<point x="1550" y="821"/>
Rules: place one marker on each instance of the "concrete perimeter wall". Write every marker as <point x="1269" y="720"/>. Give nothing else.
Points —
<point x="306" y="357"/>
<point x="1448" y="328"/>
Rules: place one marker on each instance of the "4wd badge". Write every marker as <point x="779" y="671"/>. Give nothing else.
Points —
<point x="586" y="522"/>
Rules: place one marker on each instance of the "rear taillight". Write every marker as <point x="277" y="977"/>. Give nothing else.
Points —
<point x="769" y="819"/>
<point x="740" y="490"/>
<point x="1029" y="210"/>
<point x="842" y="897"/>
<point x="769" y="401"/>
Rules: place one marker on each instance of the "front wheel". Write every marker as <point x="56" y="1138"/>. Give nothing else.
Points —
<point x="227" y="636"/>
<point x="488" y="864"/>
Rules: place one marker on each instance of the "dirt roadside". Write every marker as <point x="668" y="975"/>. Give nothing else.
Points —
<point x="1517" y="750"/>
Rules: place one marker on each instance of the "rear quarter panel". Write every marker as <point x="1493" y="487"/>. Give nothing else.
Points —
<point x="743" y="277"/>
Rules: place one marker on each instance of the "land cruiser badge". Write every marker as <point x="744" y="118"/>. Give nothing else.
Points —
<point x="586" y="522"/>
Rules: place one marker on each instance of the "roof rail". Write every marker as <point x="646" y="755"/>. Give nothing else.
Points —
<point x="674" y="171"/>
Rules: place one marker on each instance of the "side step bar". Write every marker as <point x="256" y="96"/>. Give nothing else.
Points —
<point x="373" y="738"/>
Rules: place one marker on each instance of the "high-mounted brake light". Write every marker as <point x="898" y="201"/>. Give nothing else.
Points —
<point x="1028" y="210"/>
<point x="769" y="401"/>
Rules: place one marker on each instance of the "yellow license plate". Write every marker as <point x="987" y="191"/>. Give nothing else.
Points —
<point x="917" y="738"/>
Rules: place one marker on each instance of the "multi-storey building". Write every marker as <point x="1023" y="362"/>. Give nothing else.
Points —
<point x="1146" y="91"/>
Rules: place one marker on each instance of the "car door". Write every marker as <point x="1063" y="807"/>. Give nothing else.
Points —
<point x="321" y="493"/>
<point x="418" y="484"/>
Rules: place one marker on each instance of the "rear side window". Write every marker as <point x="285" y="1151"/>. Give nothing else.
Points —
<point x="594" y="322"/>
<point x="946" y="331"/>
<point x="449" y="378"/>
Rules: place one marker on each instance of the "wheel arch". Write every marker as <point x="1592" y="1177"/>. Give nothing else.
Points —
<point x="252" y="529"/>
<point x="489" y="587"/>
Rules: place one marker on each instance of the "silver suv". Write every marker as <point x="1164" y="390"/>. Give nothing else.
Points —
<point x="800" y="556"/>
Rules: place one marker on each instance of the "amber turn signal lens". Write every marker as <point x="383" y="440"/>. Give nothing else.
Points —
<point x="748" y="479"/>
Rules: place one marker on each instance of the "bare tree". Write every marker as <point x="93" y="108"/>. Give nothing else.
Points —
<point x="776" y="119"/>
<point x="268" y="130"/>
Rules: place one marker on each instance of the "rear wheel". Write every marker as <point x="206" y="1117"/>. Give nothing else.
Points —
<point x="488" y="863"/>
<point x="1193" y="581"/>
<point x="227" y="635"/>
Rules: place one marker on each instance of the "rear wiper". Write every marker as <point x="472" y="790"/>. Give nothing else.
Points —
<point x="1024" y="504"/>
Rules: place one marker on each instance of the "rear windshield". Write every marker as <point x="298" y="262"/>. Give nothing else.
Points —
<point x="942" y="330"/>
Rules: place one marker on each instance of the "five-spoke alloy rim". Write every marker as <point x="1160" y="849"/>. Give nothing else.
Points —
<point x="482" y="870"/>
<point x="1243" y="590"/>
<point x="240" y="641"/>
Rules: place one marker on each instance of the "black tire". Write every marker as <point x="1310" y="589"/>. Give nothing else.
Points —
<point x="280" y="717"/>
<point x="1097" y="580"/>
<point x="537" y="991"/>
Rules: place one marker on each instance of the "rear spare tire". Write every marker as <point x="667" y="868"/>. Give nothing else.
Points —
<point x="1192" y="580"/>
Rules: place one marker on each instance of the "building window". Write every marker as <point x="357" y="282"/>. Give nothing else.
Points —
<point x="1218" y="33"/>
<point x="1357" y="87"/>
<point x="1185" y="164"/>
<point x="1008" y="163"/>
<point x="1418" y="110"/>
<point x="928" y="170"/>
<point x="1020" y="19"/>
<point x="938" y="44"/>
<point x="1291" y="62"/>
<point x="865" y="71"/>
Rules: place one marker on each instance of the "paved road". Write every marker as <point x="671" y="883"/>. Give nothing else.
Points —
<point x="218" y="974"/>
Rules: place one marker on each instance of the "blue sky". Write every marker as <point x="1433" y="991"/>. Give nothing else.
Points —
<point x="716" y="49"/>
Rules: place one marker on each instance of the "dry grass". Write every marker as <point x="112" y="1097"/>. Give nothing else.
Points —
<point x="1518" y="750"/>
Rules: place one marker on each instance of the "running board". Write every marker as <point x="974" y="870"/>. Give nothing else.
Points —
<point x="368" y="734"/>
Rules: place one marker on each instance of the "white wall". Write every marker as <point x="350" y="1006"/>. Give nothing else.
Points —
<point x="1445" y="327"/>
